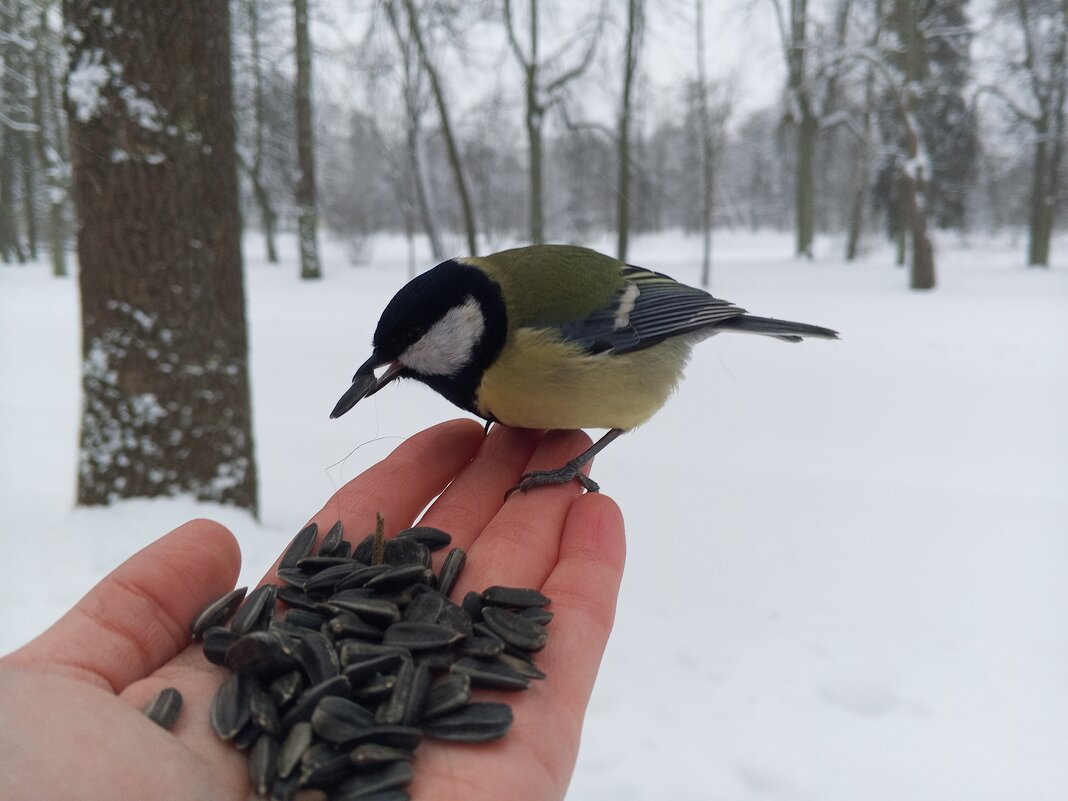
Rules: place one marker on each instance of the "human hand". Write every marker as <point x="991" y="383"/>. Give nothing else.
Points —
<point x="71" y="700"/>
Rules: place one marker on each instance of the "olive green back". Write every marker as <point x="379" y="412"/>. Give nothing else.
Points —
<point x="548" y="284"/>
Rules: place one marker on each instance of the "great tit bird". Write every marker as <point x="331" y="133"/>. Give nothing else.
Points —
<point x="551" y="336"/>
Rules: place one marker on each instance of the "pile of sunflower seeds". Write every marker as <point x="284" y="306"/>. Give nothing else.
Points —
<point x="370" y="657"/>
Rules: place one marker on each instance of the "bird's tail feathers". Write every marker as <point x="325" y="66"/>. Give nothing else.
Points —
<point x="770" y="327"/>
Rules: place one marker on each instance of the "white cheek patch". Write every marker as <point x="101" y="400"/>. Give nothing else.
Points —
<point x="447" y="347"/>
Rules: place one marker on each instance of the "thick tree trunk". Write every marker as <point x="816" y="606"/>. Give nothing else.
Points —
<point x="307" y="214"/>
<point x="165" y="347"/>
<point x="1041" y="218"/>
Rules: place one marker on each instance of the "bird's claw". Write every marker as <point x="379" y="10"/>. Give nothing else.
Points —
<point x="561" y="475"/>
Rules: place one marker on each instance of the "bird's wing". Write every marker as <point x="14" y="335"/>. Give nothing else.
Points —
<point x="650" y="308"/>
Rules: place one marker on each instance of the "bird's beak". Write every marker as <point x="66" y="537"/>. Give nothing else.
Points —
<point x="365" y="384"/>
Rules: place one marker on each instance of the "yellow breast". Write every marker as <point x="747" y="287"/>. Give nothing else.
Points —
<point x="540" y="381"/>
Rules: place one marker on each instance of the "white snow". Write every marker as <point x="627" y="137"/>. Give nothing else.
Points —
<point x="85" y="81"/>
<point x="847" y="561"/>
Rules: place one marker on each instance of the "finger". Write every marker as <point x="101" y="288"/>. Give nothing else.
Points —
<point x="471" y="501"/>
<point x="137" y="618"/>
<point x="519" y="546"/>
<point x="583" y="588"/>
<point x="401" y="485"/>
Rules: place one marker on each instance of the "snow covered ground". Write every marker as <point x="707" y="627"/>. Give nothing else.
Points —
<point x="847" y="574"/>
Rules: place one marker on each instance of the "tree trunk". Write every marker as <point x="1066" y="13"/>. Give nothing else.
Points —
<point x="534" y="119"/>
<point x="268" y="218"/>
<point x="861" y="171"/>
<point x="29" y="193"/>
<point x="1040" y="228"/>
<point x="706" y="151"/>
<point x="451" y="148"/>
<point x="10" y="249"/>
<point x="47" y="143"/>
<point x="623" y="192"/>
<point x="164" y="342"/>
<point x="307" y="216"/>
<point x="804" y="188"/>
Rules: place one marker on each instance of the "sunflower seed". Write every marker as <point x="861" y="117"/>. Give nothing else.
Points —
<point x="296" y="598"/>
<point x="359" y="672"/>
<point x="515" y="630"/>
<point x="319" y="563"/>
<point x="255" y="613"/>
<point x="293" y="576"/>
<point x="377" y="688"/>
<point x="285" y="789"/>
<point x="371" y="755"/>
<point x="300" y="547"/>
<point x="522" y="666"/>
<point x="317" y="657"/>
<point x="339" y="720"/>
<point x="332" y="540"/>
<point x="406" y="551"/>
<point x="365" y="784"/>
<point x="304" y="618"/>
<point x="378" y="611"/>
<point x="456" y="618"/>
<point x="451" y="569"/>
<point x="217" y="640"/>
<point x="481" y="646"/>
<point x="535" y="613"/>
<point x="433" y="538"/>
<point x="285" y="688"/>
<point x="473" y="723"/>
<point x="325" y="580"/>
<point x="490" y="673"/>
<point x="163" y="709"/>
<point x="419" y="636"/>
<point x="307" y="701"/>
<point x="246" y="738"/>
<point x="217" y="612"/>
<point x="513" y="597"/>
<point x="230" y="706"/>
<point x="346" y="624"/>
<point x="262" y="653"/>
<point x="407" y="737"/>
<point x="449" y="692"/>
<point x="262" y="763"/>
<point x="472" y="604"/>
<point x="391" y="711"/>
<point x="264" y="711"/>
<point x="424" y="607"/>
<point x="325" y="770"/>
<point x="360" y="576"/>
<point x="399" y="577"/>
<point x="296" y="743"/>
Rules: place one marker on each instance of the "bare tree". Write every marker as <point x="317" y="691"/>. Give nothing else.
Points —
<point x="542" y="93"/>
<point x="307" y="214"/>
<point x="164" y="341"/>
<point x="413" y="174"/>
<point x="416" y="32"/>
<point x="254" y="169"/>
<point x="635" y="12"/>
<point x="1041" y="70"/>
<point x="705" y="121"/>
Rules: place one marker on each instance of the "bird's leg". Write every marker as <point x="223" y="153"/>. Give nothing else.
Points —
<point x="570" y="471"/>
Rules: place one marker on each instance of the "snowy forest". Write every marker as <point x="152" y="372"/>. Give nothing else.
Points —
<point x="845" y="559"/>
<point x="466" y="122"/>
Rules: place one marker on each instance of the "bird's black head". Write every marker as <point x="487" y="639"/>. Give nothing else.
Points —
<point x="444" y="328"/>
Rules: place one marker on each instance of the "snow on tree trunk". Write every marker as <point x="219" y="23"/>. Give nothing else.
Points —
<point x="165" y="347"/>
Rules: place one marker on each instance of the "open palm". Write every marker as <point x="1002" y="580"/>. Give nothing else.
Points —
<point x="71" y="700"/>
